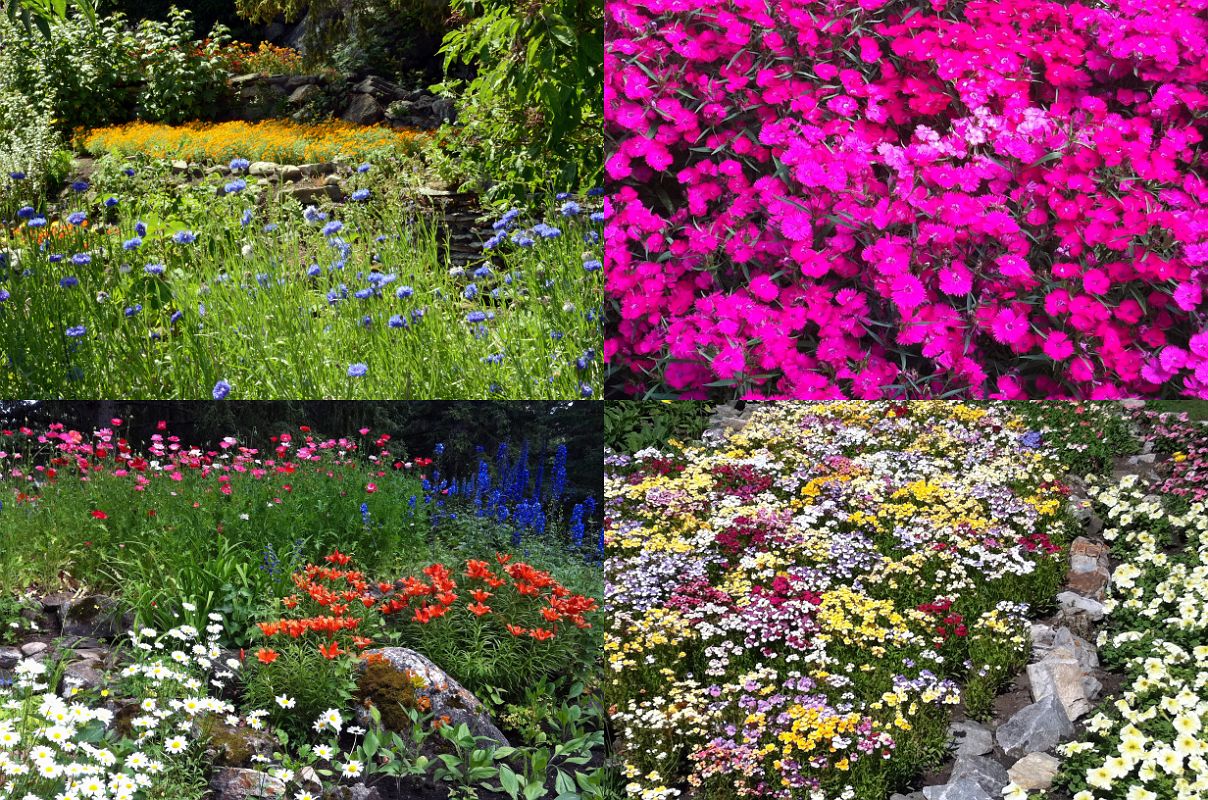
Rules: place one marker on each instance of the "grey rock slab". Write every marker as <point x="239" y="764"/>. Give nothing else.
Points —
<point x="233" y="783"/>
<point x="9" y="657"/>
<point x="972" y="738"/>
<point x="304" y="94"/>
<point x="364" y="110"/>
<point x="1063" y="678"/>
<point x="1035" y="728"/>
<point x="357" y="791"/>
<point x="1082" y="650"/>
<point x="1034" y="772"/>
<point x="262" y="168"/>
<point x="985" y="772"/>
<point x="95" y="616"/>
<point x="315" y="170"/>
<point x="290" y="173"/>
<point x="1072" y="604"/>
<point x="33" y="648"/>
<point x="964" y="789"/>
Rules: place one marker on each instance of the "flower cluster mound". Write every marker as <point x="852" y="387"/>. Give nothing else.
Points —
<point x="796" y="609"/>
<point x="882" y="199"/>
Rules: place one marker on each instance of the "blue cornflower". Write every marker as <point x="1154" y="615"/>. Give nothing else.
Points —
<point x="246" y="219"/>
<point x="235" y="186"/>
<point x="132" y="244"/>
<point x="110" y="202"/>
<point x="240" y="164"/>
<point x="4" y="295"/>
<point x="37" y="222"/>
<point x="571" y="209"/>
<point x="55" y="258"/>
<point x="78" y="218"/>
<point x="176" y="317"/>
<point x="262" y="278"/>
<point x="26" y="212"/>
<point x="269" y="228"/>
<point x="140" y="228"/>
<point x="506" y="220"/>
<point x="312" y="214"/>
<point x="17" y="176"/>
<point x="547" y="231"/>
<point x="134" y="309"/>
<point x="493" y="242"/>
<point x="129" y="172"/>
<point x="69" y="282"/>
<point x="357" y="370"/>
<point x="76" y="331"/>
<point x="497" y="358"/>
<point x="470" y="292"/>
<point x="185" y="237"/>
<point x="314" y="271"/>
<point x="597" y="216"/>
<point x="522" y="240"/>
<point x="397" y="322"/>
<point x="79" y="186"/>
<point x="403" y="292"/>
<point x="476" y="316"/>
<point x="482" y="272"/>
<point x="596" y="192"/>
<point x="221" y="390"/>
<point x="584" y="390"/>
<point x="366" y="321"/>
<point x="592" y="266"/>
<point x="364" y="168"/>
<point x="363" y="294"/>
<point x="154" y="269"/>
<point x="332" y="228"/>
<point x="561" y="195"/>
<point x="81" y="259"/>
<point x="360" y="195"/>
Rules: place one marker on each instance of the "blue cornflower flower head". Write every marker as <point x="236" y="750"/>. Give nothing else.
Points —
<point x="176" y="317"/>
<point x="363" y="294"/>
<point x="357" y="370"/>
<point x="221" y="390"/>
<point x="1032" y="440"/>
<point x="78" y="218"/>
<point x="132" y="244"/>
<point x="185" y="237"/>
<point x="262" y="278"/>
<point x="571" y="209"/>
<point x="418" y="314"/>
<point x="140" y="228"/>
<point x="312" y="214"/>
<point x="581" y="363"/>
<point x="26" y="212"/>
<point x="110" y="202"/>
<point x="81" y="259"/>
<point x="592" y="237"/>
<point x="364" y="168"/>
<point x="593" y="265"/>
<point x="55" y="259"/>
<point x="493" y="242"/>
<point x="333" y="227"/>
<point x="37" y="222"/>
<point x="129" y="172"/>
<point x="381" y="238"/>
<point x="497" y="358"/>
<point x="547" y="231"/>
<point x="134" y="309"/>
<point x="382" y="278"/>
<point x="397" y="322"/>
<point x="403" y="292"/>
<point x="269" y="228"/>
<point x="201" y="309"/>
<point x="495" y="388"/>
<point x="476" y="316"/>
<point x="240" y="164"/>
<point x="496" y="293"/>
<point x="556" y="335"/>
<point x="154" y="269"/>
<point x="314" y="271"/>
<point x="79" y="186"/>
<point x="470" y="292"/>
<point x="361" y="195"/>
<point x="17" y="176"/>
<point x="333" y="297"/>
<point x="235" y="186"/>
<point x="596" y="192"/>
<point x="69" y="282"/>
<point x="246" y="219"/>
<point x="561" y="195"/>
<point x="4" y="295"/>
<point x="482" y="272"/>
<point x="584" y="390"/>
<point x="597" y="216"/>
<point x="521" y="239"/>
<point x="76" y="331"/>
<point x="366" y="321"/>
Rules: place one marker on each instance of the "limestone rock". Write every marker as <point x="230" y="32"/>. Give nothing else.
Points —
<point x="33" y="648"/>
<point x="262" y="169"/>
<point x="1035" y="728"/>
<point x="972" y="739"/>
<point x="985" y="772"/>
<point x="305" y="94"/>
<point x="1061" y="677"/>
<point x="958" y="790"/>
<point x="9" y="657"/>
<point x="1035" y="772"/>
<point x="231" y="783"/>
<point x="1073" y="604"/>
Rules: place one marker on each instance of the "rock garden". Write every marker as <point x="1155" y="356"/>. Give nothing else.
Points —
<point x="300" y="616"/>
<point x="908" y="601"/>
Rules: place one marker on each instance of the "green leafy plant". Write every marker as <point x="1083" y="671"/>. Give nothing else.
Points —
<point x="633" y="425"/>
<point x="297" y="672"/>
<point x="13" y="621"/>
<point x="184" y="79"/>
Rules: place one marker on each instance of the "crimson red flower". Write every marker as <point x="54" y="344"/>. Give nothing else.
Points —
<point x="98" y="514"/>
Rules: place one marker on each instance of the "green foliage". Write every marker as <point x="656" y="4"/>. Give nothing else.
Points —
<point x="633" y="425"/>
<point x="41" y="14"/>
<point x="13" y="622"/>
<point x="1085" y="437"/>
<point x="184" y="80"/>
<point x="531" y="118"/>
<point x="301" y="673"/>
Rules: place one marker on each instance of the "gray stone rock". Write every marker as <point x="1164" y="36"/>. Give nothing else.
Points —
<point x="972" y="738"/>
<point x="1035" y="728"/>
<point x="444" y="110"/>
<point x="911" y="796"/>
<point x="1035" y="772"/>
<point x="95" y="616"/>
<point x="9" y="657"/>
<point x="1062" y="677"/>
<point x="985" y="772"/>
<point x="239" y="81"/>
<point x="180" y="167"/>
<point x="289" y="173"/>
<point x="83" y="675"/>
<point x="364" y="110"/>
<point x="33" y="648"/>
<point x="233" y="783"/>
<point x="358" y="791"/>
<point x="448" y="697"/>
<point x="316" y="170"/>
<point x="380" y="88"/>
<point x="305" y="94"/>
<point x="959" y="790"/>
<point x="262" y="168"/>
<point x="1073" y="604"/>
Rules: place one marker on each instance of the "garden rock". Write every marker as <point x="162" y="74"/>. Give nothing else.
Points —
<point x="1034" y="772"/>
<point x="33" y="648"/>
<point x="364" y="110"/>
<point x="1060" y="676"/>
<point x="316" y="170"/>
<point x="1073" y="604"/>
<point x="985" y="772"/>
<point x="9" y="657"/>
<point x="1035" y="728"/>
<point x="262" y="168"/>
<point x="358" y="791"/>
<point x="305" y="94"/>
<point x="96" y="616"/>
<point x="232" y="783"/>
<point x="380" y="89"/>
<point x="83" y="675"/>
<point x="231" y="745"/>
<point x="313" y="195"/>
<point x="972" y="739"/>
<point x="963" y="789"/>
<point x="1088" y="574"/>
<point x="289" y="174"/>
<point x="449" y="698"/>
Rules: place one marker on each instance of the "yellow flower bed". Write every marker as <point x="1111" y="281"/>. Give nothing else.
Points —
<point x="270" y="140"/>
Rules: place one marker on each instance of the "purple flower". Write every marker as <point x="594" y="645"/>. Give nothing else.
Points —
<point x="221" y="390"/>
<point x="357" y="370"/>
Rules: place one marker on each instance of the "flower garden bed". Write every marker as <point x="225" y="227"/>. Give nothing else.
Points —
<point x="329" y="618"/>
<point x="816" y="600"/>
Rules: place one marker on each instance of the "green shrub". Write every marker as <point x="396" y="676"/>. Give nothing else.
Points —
<point x="184" y="79"/>
<point x="633" y="425"/>
<point x="302" y="675"/>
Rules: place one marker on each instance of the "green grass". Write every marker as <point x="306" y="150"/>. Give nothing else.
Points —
<point x="238" y="305"/>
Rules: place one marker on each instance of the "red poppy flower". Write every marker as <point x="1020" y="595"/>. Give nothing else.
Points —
<point x="97" y="514"/>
